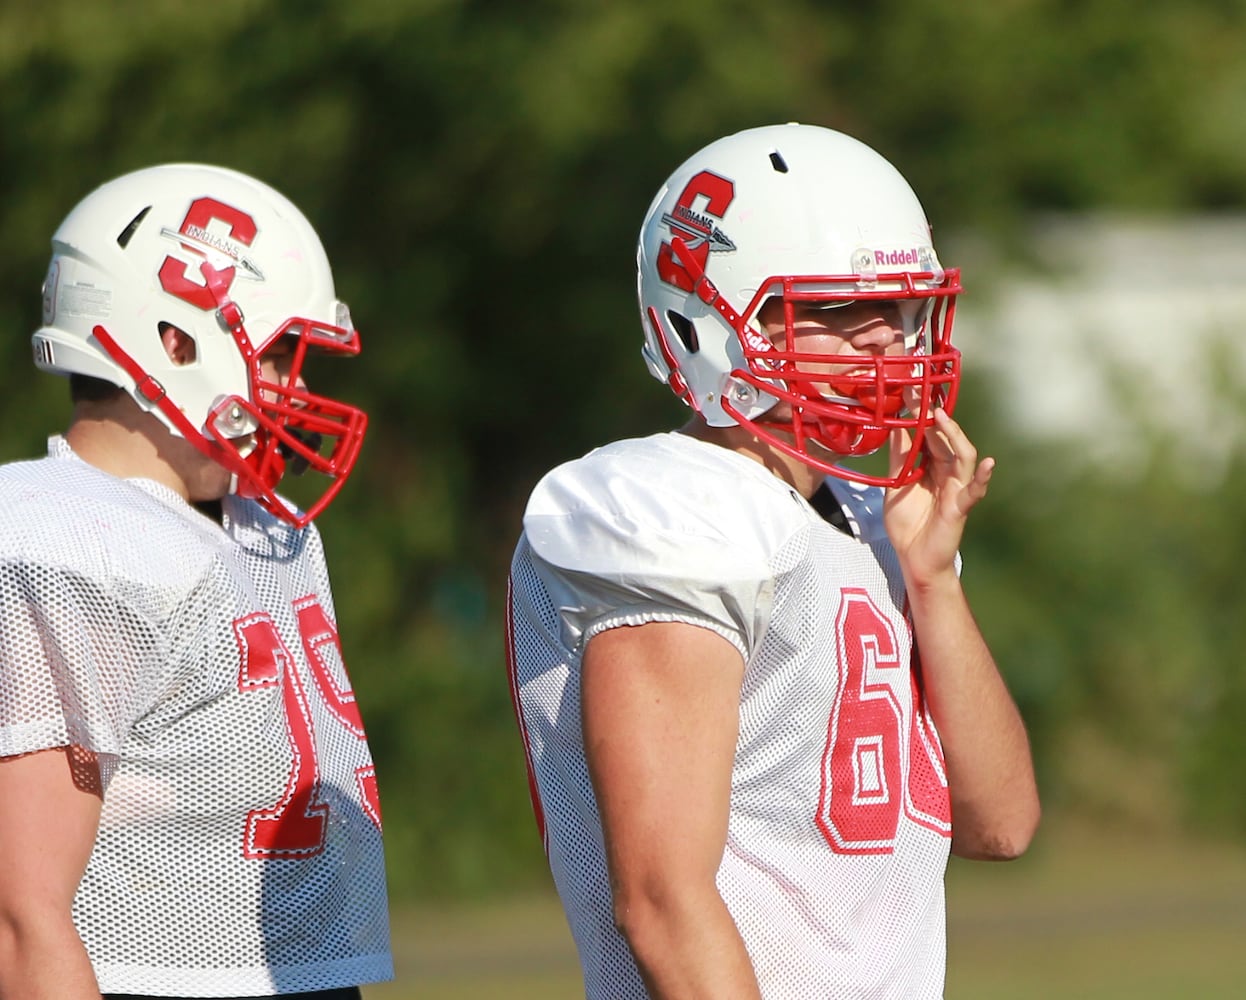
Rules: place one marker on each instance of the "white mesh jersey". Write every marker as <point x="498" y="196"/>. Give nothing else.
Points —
<point x="839" y="826"/>
<point x="239" y="849"/>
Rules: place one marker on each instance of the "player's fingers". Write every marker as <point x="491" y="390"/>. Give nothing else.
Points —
<point x="977" y="486"/>
<point x="898" y="450"/>
<point x="959" y="450"/>
<point x="939" y="447"/>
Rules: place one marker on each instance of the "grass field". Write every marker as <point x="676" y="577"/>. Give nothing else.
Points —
<point x="1089" y="913"/>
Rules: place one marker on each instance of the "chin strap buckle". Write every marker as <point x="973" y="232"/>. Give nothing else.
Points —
<point x="150" y="389"/>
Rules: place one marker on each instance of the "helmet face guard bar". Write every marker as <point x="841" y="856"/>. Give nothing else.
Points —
<point x="848" y="406"/>
<point x="292" y="430"/>
<point x="881" y="394"/>
<point x="851" y="408"/>
<point x="282" y="427"/>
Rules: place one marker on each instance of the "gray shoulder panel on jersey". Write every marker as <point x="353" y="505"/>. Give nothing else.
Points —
<point x="662" y="528"/>
<point x="862" y="506"/>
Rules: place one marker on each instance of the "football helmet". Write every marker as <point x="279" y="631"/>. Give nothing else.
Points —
<point x="235" y="266"/>
<point x="812" y="216"/>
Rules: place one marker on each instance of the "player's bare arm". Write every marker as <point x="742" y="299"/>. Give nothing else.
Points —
<point x="660" y="709"/>
<point x="995" y="804"/>
<point x="44" y="846"/>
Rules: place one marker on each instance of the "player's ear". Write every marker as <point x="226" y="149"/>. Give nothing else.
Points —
<point x="178" y="345"/>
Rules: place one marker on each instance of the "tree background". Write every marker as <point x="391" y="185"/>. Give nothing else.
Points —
<point x="478" y="170"/>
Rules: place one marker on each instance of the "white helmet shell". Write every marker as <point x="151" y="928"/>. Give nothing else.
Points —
<point x="222" y="257"/>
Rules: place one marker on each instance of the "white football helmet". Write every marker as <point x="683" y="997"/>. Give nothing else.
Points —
<point x="809" y="215"/>
<point x="235" y="266"/>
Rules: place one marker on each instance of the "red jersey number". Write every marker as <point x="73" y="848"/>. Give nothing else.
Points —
<point x="294" y="826"/>
<point x="862" y="792"/>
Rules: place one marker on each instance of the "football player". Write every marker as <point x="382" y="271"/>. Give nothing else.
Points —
<point x="188" y="805"/>
<point x="747" y="778"/>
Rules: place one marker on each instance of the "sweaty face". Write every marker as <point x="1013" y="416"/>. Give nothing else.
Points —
<point x="843" y="374"/>
<point x="838" y="341"/>
<point x="858" y="327"/>
<point x="275" y="365"/>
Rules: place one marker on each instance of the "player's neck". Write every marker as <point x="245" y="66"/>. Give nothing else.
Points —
<point x="792" y="471"/>
<point x="119" y="438"/>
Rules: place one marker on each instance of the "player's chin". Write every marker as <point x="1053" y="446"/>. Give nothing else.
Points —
<point x="828" y="455"/>
<point x="213" y="482"/>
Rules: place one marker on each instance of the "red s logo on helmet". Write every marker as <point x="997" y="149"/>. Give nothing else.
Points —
<point x="696" y="228"/>
<point x="194" y="235"/>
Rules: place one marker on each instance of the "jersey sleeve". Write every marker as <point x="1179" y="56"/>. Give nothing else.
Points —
<point x="70" y="661"/>
<point x="624" y="550"/>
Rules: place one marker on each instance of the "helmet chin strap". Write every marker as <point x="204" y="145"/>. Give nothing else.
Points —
<point x="702" y="287"/>
<point x="147" y="386"/>
<point x="150" y="389"/>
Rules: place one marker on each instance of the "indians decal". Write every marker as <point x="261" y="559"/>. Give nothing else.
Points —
<point x="221" y="237"/>
<point x="693" y="220"/>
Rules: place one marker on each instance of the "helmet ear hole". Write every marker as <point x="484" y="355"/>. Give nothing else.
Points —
<point x="178" y="344"/>
<point x="685" y="331"/>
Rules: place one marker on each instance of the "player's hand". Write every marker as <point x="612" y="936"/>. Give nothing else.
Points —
<point x="926" y="519"/>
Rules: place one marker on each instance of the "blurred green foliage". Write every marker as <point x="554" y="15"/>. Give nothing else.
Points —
<point x="478" y="170"/>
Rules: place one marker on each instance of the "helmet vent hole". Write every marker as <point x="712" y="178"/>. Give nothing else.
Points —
<point x="777" y="161"/>
<point x="124" y="239"/>
<point x="685" y="331"/>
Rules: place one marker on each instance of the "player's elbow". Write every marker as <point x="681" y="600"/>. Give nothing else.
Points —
<point x="1005" y="839"/>
<point x="34" y="935"/>
<point x="990" y="849"/>
<point x="638" y="915"/>
<point x="648" y="913"/>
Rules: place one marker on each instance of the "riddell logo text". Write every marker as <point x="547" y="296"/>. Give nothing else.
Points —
<point x="913" y="256"/>
<point x="756" y="342"/>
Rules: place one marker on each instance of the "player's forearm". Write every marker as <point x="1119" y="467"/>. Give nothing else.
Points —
<point x="44" y="847"/>
<point x="688" y="948"/>
<point x="42" y="958"/>
<point x="995" y="805"/>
